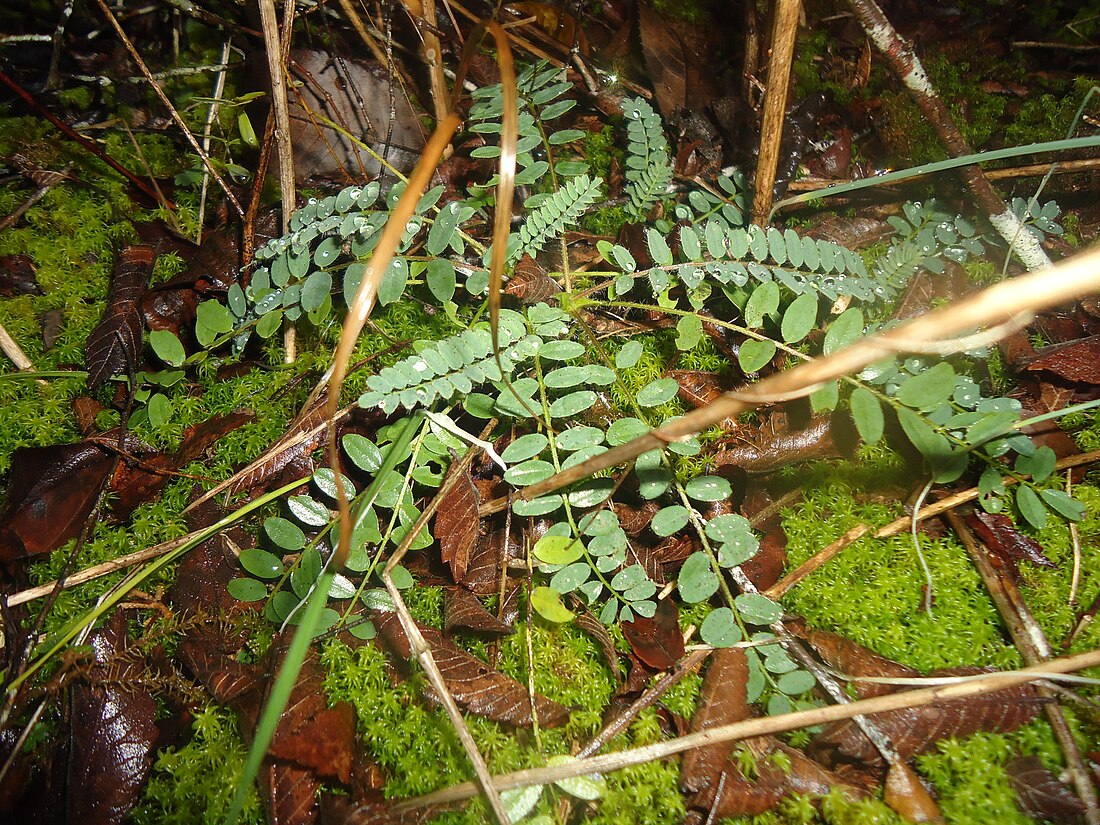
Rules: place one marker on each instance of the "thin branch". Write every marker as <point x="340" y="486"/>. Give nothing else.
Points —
<point x="762" y="726"/>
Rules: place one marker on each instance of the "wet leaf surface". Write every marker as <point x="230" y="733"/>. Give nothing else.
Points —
<point x="114" y="346"/>
<point x="1000" y="535"/>
<point x="456" y="525"/>
<point x="112" y="733"/>
<point x="464" y="613"/>
<point x="659" y="641"/>
<point x="476" y="687"/>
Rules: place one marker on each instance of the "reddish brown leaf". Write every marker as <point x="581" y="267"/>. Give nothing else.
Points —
<point x="530" y="284"/>
<point x="852" y="659"/>
<point x="712" y="779"/>
<point x="916" y="730"/>
<point x="289" y="794"/>
<point x="777" y="445"/>
<point x="114" y="345"/>
<point x="1039" y="793"/>
<point x="659" y="641"/>
<point x="906" y="794"/>
<point x="1077" y="361"/>
<point x="51" y="492"/>
<point x="588" y="622"/>
<point x="475" y="686"/>
<point x="456" y="525"/>
<point x="487" y="559"/>
<point x="463" y="613"/>
<point x="112" y="732"/>
<point x="301" y="438"/>
<point x="135" y="483"/>
<point x="673" y="49"/>
<point x="1003" y="539"/>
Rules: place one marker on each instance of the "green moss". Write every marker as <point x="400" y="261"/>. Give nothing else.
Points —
<point x="194" y="784"/>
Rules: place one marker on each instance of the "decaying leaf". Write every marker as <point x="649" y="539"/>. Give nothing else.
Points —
<point x="456" y="525"/>
<point x="1039" y="793"/>
<point x="779" y="444"/>
<point x="51" y="492"/>
<point x="114" y="345"/>
<point x="1000" y="535"/>
<point x="112" y="733"/>
<point x="476" y="687"/>
<point x="658" y="641"/>
<point x="712" y="778"/>
<point x="1077" y="361"/>
<point x="463" y="613"/>
<point x="530" y="284"/>
<point x="851" y="659"/>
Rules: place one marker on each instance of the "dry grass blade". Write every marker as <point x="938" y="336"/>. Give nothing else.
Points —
<point x="1039" y="290"/>
<point x="762" y="726"/>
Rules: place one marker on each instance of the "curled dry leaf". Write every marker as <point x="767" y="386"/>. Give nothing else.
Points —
<point x="530" y="284"/>
<point x="588" y="622"/>
<point x="487" y="559"/>
<point x="1039" y="793"/>
<point x="114" y="345"/>
<point x="112" y="733"/>
<point x="456" y="524"/>
<point x="475" y="686"/>
<point x="779" y="445"/>
<point x="1000" y="535"/>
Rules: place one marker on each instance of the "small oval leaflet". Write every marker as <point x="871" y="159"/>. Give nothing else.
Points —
<point x="697" y="581"/>
<point x="754" y="355"/>
<point x="589" y="787"/>
<point x="167" y="347"/>
<point x="866" y="414"/>
<point x="260" y="563"/>
<point x="573" y="403"/>
<point x="308" y="511"/>
<point x="561" y="350"/>
<point x="524" y="447"/>
<point x="720" y="628"/>
<point x="570" y="577"/>
<point x="629" y="355"/>
<point x="558" y="549"/>
<point x="799" y="318"/>
<point x="795" y="682"/>
<point x="529" y="472"/>
<point x="284" y="534"/>
<point x="708" y="488"/>
<point x="363" y="453"/>
<point x="758" y="609"/>
<point x="658" y="392"/>
<point x="669" y="520"/>
<point x="246" y="590"/>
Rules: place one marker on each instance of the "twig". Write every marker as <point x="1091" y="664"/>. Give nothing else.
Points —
<point x="1033" y="292"/>
<point x="368" y="39"/>
<point x="11" y="348"/>
<point x="784" y="33"/>
<point x="1032" y="643"/>
<point x="424" y="18"/>
<point x="761" y="726"/>
<point x="419" y="647"/>
<point x="907" y="66"/>
<point x="211" y="115"/>
<point x="899" y="525"/>
<point x="168" y="105"/>
<point x="686" y="665"/>
<point x="1031" y="170"/>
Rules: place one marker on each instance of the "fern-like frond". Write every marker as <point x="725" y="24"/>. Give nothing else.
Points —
<point x="648" y="165"/>
<point x="554" y="215"/>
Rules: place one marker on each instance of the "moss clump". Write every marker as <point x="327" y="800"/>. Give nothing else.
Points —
<point x="194" y="784"/>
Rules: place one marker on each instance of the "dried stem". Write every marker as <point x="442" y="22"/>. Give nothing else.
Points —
<point x="1032" y="643"/>
<point x="900" y="525"/>
<point x="1001" y="302"/>
<point x="762" y="726"/>
<point x="907" y="66"/>
<point x="784" y="33"/>
<point x="168" y="105"/>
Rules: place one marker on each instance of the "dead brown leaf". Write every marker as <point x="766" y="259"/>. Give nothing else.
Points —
<point x="114" y="345"/>
<point x="456" y="524"/>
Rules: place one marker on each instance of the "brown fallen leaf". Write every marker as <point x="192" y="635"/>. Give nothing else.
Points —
<point x="476" y="687"/>
<point x="1039" y="794"/>
<point x="1077" y="361"/>
<point x="112" y="730"/>
<point x="916" y="730"/>
<point x="463" y="613"/>
<point x="51" y="492"/>
<point x="456" y="524"/>
<point x="487" y="559"/>
<point x="1000" y="535"/>
<point x="659" y="641"/>
<point x="711" y="777"/>
<point x="586" y="620"/>
<point x="114" y="345"/>
<point x="530" y="284"/>
<point x="778" y="444"/>
<point x="853" y="659"/>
